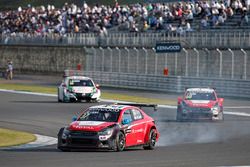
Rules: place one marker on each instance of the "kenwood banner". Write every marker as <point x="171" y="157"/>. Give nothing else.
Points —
<point x="167" y="47"/>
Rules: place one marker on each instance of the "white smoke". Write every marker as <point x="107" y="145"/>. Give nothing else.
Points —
<point x="173" y="133"/>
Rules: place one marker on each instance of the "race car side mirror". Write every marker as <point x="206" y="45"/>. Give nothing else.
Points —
<point x="64" y="85"/>
<point x="97" y="86"/>
<point x="74" y="118"/>
<point x="126" y="121"/>
<point x="221" y="100"/>
<point x="179" y="100"/>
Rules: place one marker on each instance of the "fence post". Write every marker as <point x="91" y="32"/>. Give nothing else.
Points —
<point x="175" y="64"/>
<point x="146" y="60"/>
<point x="94" y="58"/>
<point x="102" y="57"/>
<point x="198" y="62"/>
<point x="186" y="53"/>
<point x="232" y="53"/>
<point x="245" y="64"/>
<point x="208" y="54"/>
<point x="87" y="58"/>
<point x="119" y="59"/>
<point x="128" y="54"/>
<point x="156" y="60"/>
<point x="137" y="60"/>
<point x="220" y="53"/>
<point x="111" y="58"/>
<point x="166" y="60"/>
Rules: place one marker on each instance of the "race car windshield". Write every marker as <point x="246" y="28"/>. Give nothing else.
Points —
<point x="77" y="82"/>
<point x="200" y="96"/>
<point x="100" y="115"/>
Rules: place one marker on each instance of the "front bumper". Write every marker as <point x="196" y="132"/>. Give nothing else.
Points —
<point x="81" y="96"/>
<point x="85" y="142"/>
<point x="198" y="113"/>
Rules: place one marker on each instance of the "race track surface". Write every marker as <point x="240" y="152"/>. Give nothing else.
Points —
<point x="181" y="144"/>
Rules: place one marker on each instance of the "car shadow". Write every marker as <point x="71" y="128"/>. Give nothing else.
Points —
<point x="29" y="101"/>
<point x="73" y="150"/>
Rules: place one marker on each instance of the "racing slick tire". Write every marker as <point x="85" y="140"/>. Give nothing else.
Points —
<point x="58" y="99"/>
<point x="179" y="117"/>
<point x="221" y="116"/>
<point x="59" y="142"/>
<point x="88" y="100"/>
<point x="151" y="140"/>
<point x="120" y="142"/>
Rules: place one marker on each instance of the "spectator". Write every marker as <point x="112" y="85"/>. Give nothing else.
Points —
<point x="9" y="70"/>
<point x="204" y="22"/>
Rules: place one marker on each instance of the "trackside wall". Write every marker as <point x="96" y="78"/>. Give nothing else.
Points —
<point x="48" y="59"/>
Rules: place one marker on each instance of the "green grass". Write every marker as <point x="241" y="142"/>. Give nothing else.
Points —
<point x="105" y="95"/>
<point x="13" y="4"/>
<point x="12" y="137"/>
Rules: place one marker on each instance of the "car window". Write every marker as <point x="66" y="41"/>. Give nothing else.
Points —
<point x="78" y="82"/>
<point x="200" y="96"/>
<point x="127" y="115"/>
<point x="137" y="114"/>
<point x="100" y="115"/>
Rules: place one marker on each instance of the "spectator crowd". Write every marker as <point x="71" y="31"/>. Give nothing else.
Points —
<point x="71" y="18"/>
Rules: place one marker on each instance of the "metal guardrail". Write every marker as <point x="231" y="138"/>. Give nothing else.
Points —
<point x="224" y="87"/>
<point x="208" y="39"/>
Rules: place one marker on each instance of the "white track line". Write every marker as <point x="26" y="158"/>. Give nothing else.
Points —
<point x="40" y="142"/>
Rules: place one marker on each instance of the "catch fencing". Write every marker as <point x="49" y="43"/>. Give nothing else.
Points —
<point x="215" y="63"/>
<point x="224" y="87"/>
<point x="198" y="39"/>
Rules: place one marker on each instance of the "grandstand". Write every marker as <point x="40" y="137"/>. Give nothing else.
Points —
<point x="156" y="17"/>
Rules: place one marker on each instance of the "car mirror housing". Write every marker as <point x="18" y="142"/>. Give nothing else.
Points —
<point x="74" y="118"/>
<point x="97" y="86"/>
<point x="221" y="100"/>
<point x="179" y="100"/>
<point x="126" y="121"/>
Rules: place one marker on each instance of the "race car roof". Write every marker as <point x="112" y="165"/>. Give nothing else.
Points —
<point x="109" y="107"/>
<point x="200" y="90"/>
<point x="78" y="77"/>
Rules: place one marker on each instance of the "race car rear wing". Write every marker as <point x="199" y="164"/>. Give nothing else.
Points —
<point x="68" y="73"/>
<point x="201" y="88"/>
<point x="140" y="105"/>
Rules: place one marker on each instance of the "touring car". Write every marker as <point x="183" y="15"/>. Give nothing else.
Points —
<point x="76" y="87"/>
<point x="200" y="103"/>
<point x="113" y="127"/>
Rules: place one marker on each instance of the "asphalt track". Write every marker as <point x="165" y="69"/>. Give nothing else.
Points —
<point x="181" y="144"/>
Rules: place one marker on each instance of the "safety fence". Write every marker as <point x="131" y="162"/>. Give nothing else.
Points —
<point x="209" y="63"/>
<point x="224" y="87"/>
<point x="200" y="39"/>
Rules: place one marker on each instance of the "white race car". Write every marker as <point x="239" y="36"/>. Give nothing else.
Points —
<point x="76" y="87"/>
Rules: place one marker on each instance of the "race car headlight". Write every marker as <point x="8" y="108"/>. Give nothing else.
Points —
<point x="185" y="107"/>
<point x="94" y="90"/>
<point x="215" y="108"/>
<point x="65" y="134"/>
<point x="106" y="132"/>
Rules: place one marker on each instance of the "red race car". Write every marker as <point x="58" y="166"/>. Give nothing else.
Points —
<point x="200" y="103"/>
<point x="114" y="127"/>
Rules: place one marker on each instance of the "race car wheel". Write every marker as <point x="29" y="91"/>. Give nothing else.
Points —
<point x="221" y="116"/>
<point x="120" y="142"/>
<point x="58" y="99"/>
<point x="179" y="117"/>
<point x="88" y="100"/>
<point x="63" y="149"/>
<point x="59" y="141"/>
<point x="151" y="141"/>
